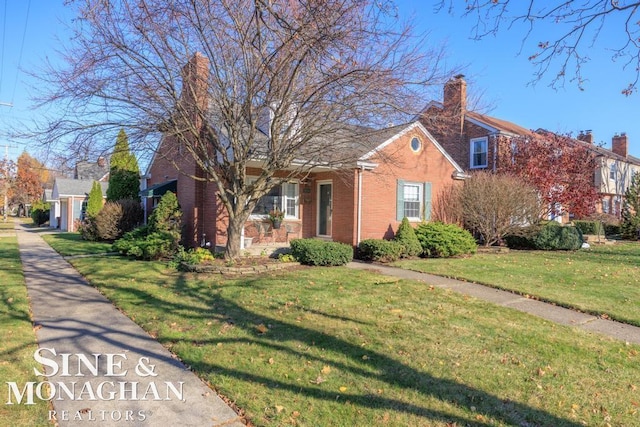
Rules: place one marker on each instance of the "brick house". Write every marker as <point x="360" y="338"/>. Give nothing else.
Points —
<point x="397" y="173"/>
<point x="399" y="177"/>
<point x="481" y="142"/>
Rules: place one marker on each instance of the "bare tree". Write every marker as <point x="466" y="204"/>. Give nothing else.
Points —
<point x="579" y="25"/>
<point x="284" y="82"/>
<point x="496" y="205"/>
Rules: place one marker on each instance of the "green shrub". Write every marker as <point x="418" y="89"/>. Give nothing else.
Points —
<point x="522" y="240"/>
<point x="94" y="201"/>
<point x="380" y="250"/>
<point x="589" y="227"/>
<point x="141" y="243"/>
<point x="406" y="236"/>
<point x="555" y="237"/>
<point x="40" y="212"/>
<point x="611" y="230"/>
<point x="167" y="215"/>
<point x="445" y="240"/>
<point x="320" y="252"/>
<point x="160" y="238"/>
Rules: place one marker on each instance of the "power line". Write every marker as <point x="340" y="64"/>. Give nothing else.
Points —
<point x="24" y="36"/>
<point x="4" y="32"/>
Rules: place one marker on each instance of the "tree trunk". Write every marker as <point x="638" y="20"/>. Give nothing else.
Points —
<point x="234" y="234"/>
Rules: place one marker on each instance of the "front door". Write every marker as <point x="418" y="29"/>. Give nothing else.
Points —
<point x="325" y="208"/>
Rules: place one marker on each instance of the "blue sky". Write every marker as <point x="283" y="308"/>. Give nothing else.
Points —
<point x="492" y="66"/>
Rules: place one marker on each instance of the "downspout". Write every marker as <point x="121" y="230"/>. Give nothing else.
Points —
<point x="359" y="219"/>
<point x="495" y="152"/>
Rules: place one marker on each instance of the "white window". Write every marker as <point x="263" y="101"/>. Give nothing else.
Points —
<point x="479" y="152"/>
<point x="613" y="171"/>
<point x="284" y="197"/>
<point x="413" y="201"/>
<point x="605" y="206"/>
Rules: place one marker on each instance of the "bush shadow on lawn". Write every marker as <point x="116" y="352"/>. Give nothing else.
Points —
<point x="377" y="366"/>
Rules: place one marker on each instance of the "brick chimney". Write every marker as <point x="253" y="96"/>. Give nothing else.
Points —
<point x="586" y="136"/>
<point x="455" y="99"/>
<point x="195" y="77"/>
<point x="620" y="144"/>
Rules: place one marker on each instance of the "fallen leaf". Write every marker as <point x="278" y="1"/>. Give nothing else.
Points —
<point x="326" y="369"/>
<point x="295" y="414"/>
<point x="261" y="328"/>
<point x="343" y="389"/>
<point x="279" y="408"/>
<point x="271" y="361"/>
<point x="318" y="380"/>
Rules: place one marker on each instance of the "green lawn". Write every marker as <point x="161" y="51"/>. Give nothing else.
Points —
<point x="603" y="280"/>
<point x="341" y="347"/>
<point x="18" y="340"/>
<point x="70" y="244"/>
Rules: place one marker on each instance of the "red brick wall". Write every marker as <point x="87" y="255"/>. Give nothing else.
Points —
<point x="379" y="186"/>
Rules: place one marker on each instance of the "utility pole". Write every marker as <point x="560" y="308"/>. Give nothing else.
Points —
<point x="6" y="171"/>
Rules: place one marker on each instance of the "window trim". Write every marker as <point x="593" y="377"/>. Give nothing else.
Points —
<point x="419" y="186"/>
<point x="485" y="142"/>
<point x="424" y="195"/>
<point x="418" y="148"/>
<point x="283" y="200"/>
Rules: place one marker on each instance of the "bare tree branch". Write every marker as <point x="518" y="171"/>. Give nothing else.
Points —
<point x="579" y="26"/>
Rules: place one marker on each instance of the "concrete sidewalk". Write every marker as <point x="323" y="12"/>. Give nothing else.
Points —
<point x="554" y="313"/>
<point x="137" y="381"/>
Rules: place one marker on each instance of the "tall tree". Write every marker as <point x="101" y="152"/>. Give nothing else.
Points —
<point x="569" y="31"/>
<point x="630" y="224"/>
<point x="276" y="81"/>
<point x="124" y="173"/>
<point x="560" y="168"/>
<point x="31" y="175"/>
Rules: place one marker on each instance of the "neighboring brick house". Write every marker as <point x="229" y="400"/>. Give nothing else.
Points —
<point x="397" y="175"/>
<point x="481" y="142"/>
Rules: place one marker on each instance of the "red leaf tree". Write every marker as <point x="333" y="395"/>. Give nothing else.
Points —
<point x="560" y="168"/>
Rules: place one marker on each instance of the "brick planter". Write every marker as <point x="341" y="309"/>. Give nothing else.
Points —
<point x="238" y="270"/>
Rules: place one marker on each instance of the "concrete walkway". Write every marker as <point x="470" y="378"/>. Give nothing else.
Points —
<point x="554" y="313"/>
<point x="136" y="381"/>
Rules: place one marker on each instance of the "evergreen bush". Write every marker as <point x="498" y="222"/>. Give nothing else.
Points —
<point x="441" y="240"/>
<point x="40" y="212"/>
<point x="555" y="237"/>
<point x="406" y="236"/>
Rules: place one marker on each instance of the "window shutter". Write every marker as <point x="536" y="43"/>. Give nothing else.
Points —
<point x="427" y="201"/>
<point x="400" y="200"/>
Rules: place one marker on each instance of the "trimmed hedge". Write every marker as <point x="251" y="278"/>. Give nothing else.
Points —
<point x="441" y="240"/>
<point x="321" y="253"/>
<point x="381" y="250"/>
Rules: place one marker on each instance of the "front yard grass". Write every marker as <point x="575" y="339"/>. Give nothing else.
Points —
<point x="18" y="341"/>
<point x="341" y="347"/>
<point x="602" y="280"/>
<point x="72" y="244"/>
